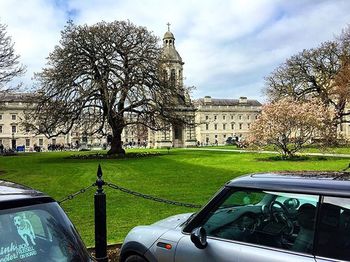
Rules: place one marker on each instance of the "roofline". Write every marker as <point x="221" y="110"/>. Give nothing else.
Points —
<point x="294" y="184"/>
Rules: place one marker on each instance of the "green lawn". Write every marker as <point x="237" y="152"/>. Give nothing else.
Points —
<point x="182" y="175"/>
<point x="309" y="149"/>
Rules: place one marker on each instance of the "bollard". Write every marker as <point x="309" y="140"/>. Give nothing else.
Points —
<point x="100" y="219"/>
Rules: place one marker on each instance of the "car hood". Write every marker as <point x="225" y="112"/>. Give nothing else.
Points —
<point x="173" y="221"/>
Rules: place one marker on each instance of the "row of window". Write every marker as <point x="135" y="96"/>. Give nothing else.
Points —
<point x="224" y="126"/>
<point x="240" y="117"/>
<point x="13" y="129"/>
<point x="28" y="144"/>
<point x="13" y="117"/>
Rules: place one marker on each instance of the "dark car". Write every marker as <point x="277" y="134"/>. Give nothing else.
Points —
<point x="289" y="217"/>
<point x="33" y="227"/>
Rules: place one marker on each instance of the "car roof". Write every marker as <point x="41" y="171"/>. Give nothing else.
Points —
<point x="306" y="182"/>
<point x="10" y="191"/>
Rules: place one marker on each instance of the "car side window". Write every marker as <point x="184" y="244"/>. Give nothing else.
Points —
<point x="274" y="219"/>
<point x="334" y="228"/>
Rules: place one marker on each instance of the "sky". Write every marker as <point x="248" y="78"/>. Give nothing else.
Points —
<point x="228" y="46"/>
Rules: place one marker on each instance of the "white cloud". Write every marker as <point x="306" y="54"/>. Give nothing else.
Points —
<point x="228" y="46"/>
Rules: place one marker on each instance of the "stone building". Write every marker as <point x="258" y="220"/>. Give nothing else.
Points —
<point x="13" y="135"/>
<point x="219" y="119"/>
<point x="177" y="135"/>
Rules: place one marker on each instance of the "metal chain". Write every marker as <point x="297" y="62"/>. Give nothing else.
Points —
<point x="153" y="198"/>
<point x="71" y="196"/>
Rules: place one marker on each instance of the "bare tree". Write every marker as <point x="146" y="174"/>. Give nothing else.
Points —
<point x="321" y="72"/>
<point x="103" y="78"/>
<point x="9" y="61"/>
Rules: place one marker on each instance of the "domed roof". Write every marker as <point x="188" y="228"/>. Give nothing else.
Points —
<point x="169" y="50"/>
<point x="170" y="53"/>
<point x="168" y="34"/>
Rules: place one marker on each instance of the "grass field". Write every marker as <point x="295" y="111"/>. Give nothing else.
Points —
<point x="309" y="149"/>
<point x="182" y="175"/>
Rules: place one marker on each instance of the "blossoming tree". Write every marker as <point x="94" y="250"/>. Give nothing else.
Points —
<point x="289" y="125"/>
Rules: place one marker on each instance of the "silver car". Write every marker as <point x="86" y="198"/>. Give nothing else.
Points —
<point x="300" y="217"/>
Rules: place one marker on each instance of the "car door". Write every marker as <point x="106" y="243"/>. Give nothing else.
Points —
<point x="333" y="238"/>
<point x="253" y="225"/>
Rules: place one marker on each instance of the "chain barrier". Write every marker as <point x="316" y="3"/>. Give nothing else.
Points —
<point x="130" y="192"/>
<point x="71" y="196"/>
<point x="153" y="198"/>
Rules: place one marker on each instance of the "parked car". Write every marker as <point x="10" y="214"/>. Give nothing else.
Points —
<point x="260" y="217"/>
<point x="33" y="227"/>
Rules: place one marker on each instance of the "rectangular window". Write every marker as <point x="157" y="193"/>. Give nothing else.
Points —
<point x="0" y="129"/>
<point x="224" y="126"/>
<point x="232" y="126"/>
<point x="216" y="126"/>
<point x="27" y="142"/>
<point x="206" y="126"/>
<point x="240" y="126"/>
<point x="232" y="117"/>
<point x="14" y="129"/>
<point x="13" y="117"/>
<point x="248" y="117"/>
<point x="248" y="125"/>
<point x="206" y="117"/>
<point x="223" y="117"/>
<point x="240" y="117"/>
<point x="215" y="117"/>
<point x="0" y="117"/>
<point x="41" y="142"/>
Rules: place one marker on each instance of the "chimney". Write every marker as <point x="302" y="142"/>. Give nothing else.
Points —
<point x="207" y="99"/>
<point x="243" y="100"/>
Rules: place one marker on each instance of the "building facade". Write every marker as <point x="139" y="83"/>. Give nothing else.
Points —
<point x="217" y="120"/>
<point x="13" y="134"/>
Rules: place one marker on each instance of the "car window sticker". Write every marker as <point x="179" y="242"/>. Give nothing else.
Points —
<point x="25" y="230"/>
<point x="24" y="246"/>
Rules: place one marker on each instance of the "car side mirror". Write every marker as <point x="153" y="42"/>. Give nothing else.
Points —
<point x="199" y="237"/>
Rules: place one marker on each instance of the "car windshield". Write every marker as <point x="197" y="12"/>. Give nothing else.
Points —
<point x="39" y="233"/>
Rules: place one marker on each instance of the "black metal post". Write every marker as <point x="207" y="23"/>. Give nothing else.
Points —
<point x="100" y="219"/>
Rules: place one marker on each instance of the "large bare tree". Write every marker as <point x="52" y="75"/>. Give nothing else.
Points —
<point x="9" y="61"/>
<point x="102" y="78"/>
<point x="321" y="72"/>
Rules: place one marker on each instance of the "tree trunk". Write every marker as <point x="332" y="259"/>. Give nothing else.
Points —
<point x="116" y="143"/>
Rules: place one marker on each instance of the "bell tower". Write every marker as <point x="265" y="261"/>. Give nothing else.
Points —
<point x="177" y="135"/>
<point x="172" y="61"/>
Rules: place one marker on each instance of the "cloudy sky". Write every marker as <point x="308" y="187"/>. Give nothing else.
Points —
<point x="228" y="46"/>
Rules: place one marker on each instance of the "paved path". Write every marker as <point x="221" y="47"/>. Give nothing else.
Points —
<point x="267" y="152"/>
